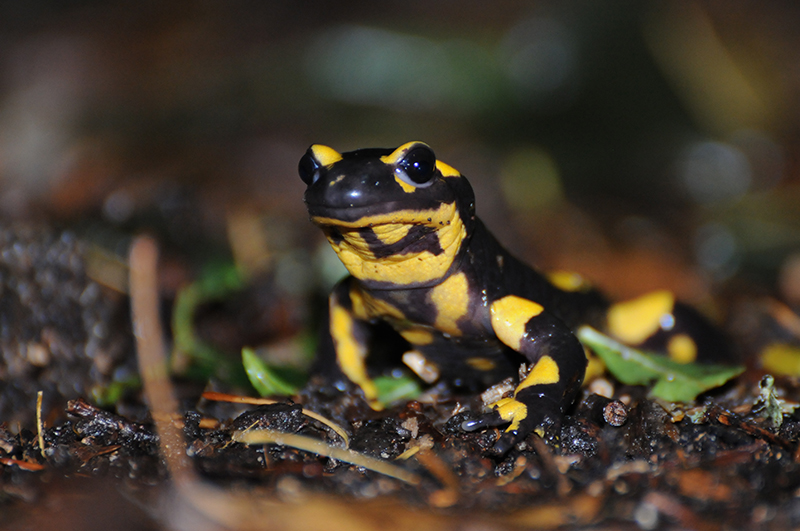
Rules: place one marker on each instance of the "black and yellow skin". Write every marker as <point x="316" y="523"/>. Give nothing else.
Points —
<point x="404" y="225"/>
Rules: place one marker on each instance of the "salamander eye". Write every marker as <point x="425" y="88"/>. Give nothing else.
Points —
<point x="419" y="165"/>
<point x="308" y="168"/>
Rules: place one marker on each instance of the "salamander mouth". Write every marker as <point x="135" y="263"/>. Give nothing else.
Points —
<point x="377" y="214"/>
<point x="352" y="216"/>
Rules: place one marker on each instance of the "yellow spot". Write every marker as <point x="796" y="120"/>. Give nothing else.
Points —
<point x="568" y="281"/>
<point x="635" y="320"/>
<point x="391" y="233"/>
<point x="781" y="359"/>
<point x="325" y="155"/>
<point x="400" y="152"/>
<point x="350" y="354"/>
<point x="417" y="336"/>
<point x="481" y="364"/>
<point x="401" y="269"/>
<point x="427" y="371"/>
<point x="544" y="372"/>
<point x="366" y="306"/>
<point x="380" y="308"/>
<point x="407" y="188"/>
<point x="357" y="301"/>
<point x="511" y="410"/>
<point x="509" y="317"/>
<point x="446" y="170"/>
<point x="682" y="348"/>
<point x="451" y="299"/>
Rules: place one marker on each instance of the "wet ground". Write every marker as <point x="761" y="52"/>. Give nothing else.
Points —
<point x="624" y="462"/>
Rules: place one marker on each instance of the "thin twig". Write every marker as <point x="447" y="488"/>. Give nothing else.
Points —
<point x="301" y="442"/>
<point x="40" y="422"/>
<point x="153" y="364"/>
<point x="24" y="465"/>
<point x="225" y="397"/>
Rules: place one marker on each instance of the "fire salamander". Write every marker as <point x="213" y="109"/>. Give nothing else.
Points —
<point x="404" y="225"/>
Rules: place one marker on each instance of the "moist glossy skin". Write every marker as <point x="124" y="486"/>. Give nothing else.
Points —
<point x="404" y="225"/>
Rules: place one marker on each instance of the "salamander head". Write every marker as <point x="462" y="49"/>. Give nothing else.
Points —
<point x="395" y="217"/>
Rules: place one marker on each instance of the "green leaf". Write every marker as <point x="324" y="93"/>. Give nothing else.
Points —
<point x="206" y="361"/>
<point x="266" y="379"/>
<point x="674" y="382"/>
<point x="394" y="389"/>
<point x="107" y="396"/>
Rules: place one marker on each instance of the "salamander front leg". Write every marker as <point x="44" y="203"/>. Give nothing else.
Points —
<point x="350" y="338"/>
<point x="558" y="365"/>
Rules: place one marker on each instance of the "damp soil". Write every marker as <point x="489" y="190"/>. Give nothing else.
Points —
<point x="624" y="462"/>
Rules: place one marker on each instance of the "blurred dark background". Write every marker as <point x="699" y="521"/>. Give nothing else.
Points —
<point x="646" y="144"/>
